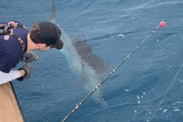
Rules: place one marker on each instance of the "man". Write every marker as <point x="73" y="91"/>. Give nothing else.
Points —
<point x="15" y="47"/>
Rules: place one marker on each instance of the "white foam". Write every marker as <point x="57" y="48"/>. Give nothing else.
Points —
<point x="121" y="35"/>
<point x="126" y="90"/>
<point x="174" y="53"/>
<point x="179" y="102"/>
<point x="165" y="110"/>
<point x="176" y="109"/>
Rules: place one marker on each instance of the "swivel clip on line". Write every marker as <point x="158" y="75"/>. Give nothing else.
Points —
<point x="162" y="24"/>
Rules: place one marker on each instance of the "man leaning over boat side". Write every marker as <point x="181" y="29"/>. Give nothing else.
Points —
<point x="16" y="42"/>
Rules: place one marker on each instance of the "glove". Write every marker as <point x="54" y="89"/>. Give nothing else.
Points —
<point x="28" y="57"/>
<point x="29" y="71"/>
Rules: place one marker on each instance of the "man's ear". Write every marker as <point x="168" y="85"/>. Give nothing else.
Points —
<point x="41" y="45"/>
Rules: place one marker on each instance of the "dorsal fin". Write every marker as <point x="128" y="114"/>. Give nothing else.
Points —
<point x="53" y="16"/>
<point x="86" y="54"/>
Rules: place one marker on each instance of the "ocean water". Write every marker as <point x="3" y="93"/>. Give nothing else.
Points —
<point x="146" y="88"/>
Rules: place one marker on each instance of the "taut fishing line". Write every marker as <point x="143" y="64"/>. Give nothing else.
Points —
<point x="162" y="24"/>
<point x="112" y="9"/>
<point x="167" y="91"/>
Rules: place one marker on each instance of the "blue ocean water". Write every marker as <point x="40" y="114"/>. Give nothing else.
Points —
<point x="146" y="88"/>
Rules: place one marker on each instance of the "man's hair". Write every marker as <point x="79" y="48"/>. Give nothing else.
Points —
<point x="46" y="33"/>
<point x="34" y="32"/>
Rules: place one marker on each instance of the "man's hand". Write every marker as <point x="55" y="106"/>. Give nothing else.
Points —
<point x="22" y="72"/>
<point x="28" y="57"/>
<point x="28" y="72"/>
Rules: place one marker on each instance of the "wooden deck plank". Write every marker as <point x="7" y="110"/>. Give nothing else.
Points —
<point x="9" y="109"/>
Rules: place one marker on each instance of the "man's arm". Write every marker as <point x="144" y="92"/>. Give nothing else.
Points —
<point x="23" y="73"/>
<point x="12" y="75"/>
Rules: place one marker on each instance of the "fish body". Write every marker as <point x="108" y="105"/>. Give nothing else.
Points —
<point x="76" y="53"/>
<point x="88" y="66"/>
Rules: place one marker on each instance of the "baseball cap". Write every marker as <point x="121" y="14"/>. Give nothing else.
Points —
<point x="50" y="34"/>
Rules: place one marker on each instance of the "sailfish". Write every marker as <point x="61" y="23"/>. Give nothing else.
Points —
<point x="87" y="65"/>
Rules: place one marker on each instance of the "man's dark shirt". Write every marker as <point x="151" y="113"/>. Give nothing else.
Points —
<point x="11" y="49"/>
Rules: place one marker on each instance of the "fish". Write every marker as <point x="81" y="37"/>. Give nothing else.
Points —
<point x="89" y="67"/>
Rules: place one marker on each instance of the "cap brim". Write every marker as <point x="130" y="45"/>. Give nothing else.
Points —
<point x="59" y="44"/>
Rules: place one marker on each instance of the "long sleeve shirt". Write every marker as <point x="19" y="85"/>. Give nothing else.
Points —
<point x="11" y="52"/>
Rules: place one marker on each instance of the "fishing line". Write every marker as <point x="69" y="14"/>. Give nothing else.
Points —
<point x="99" y="9"/>
<point x="167" y="91"/>
<point x="162" y="24"/>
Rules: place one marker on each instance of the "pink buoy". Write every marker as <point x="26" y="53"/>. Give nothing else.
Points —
<point x="162" y="24"/>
